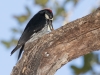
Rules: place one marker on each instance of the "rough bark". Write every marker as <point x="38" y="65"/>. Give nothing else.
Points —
<point x="47" y="54"/>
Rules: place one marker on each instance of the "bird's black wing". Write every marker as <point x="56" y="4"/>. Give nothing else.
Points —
<point x="34" y="25"/>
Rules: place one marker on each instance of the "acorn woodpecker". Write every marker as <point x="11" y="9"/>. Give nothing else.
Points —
<point x="36" y="27"/>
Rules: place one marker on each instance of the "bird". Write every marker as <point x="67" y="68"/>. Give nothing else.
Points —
<point x="35" y="28"/>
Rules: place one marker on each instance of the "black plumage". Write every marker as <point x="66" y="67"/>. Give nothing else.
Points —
<point x="35" y="25"/>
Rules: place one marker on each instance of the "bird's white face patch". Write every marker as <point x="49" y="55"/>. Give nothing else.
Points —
<point x="47" y="17"/>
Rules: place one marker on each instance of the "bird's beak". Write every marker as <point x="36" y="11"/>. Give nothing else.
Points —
<point x="50" y="25"/>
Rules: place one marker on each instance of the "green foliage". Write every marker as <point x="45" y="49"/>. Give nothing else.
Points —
<point x="14" y="30"/>
<point x="23" y="18"/>
<point x="42" y="3"/>
<point x="89" y="60"/>
<point x="9" y="43"/>
<point x="86" y="66"/>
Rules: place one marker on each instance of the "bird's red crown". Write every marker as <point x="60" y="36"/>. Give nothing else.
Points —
<point x="49" y="10"/>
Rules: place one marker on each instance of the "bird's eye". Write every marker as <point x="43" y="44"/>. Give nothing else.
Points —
<point x="46" y="16"/>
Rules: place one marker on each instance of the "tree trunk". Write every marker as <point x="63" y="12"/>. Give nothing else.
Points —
<point x="46" y="55"/>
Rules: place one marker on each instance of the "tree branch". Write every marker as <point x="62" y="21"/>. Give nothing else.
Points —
<point x="47" y="54"/>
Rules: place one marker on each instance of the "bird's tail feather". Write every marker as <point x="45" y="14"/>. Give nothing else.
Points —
<point x="20" y="51"/>
<point x="17" y="47"/>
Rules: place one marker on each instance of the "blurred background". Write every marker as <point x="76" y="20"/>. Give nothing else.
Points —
<point x="15" y="14"/>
